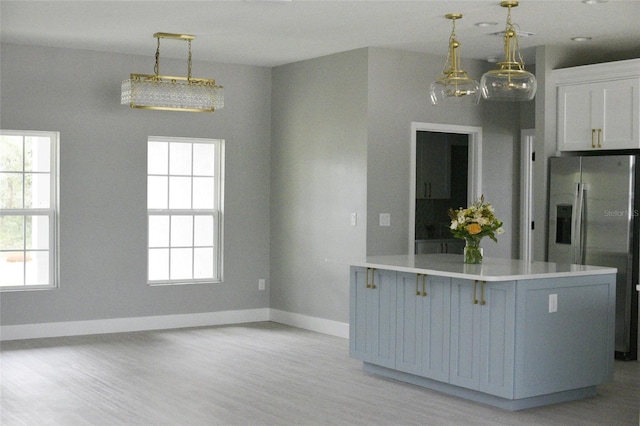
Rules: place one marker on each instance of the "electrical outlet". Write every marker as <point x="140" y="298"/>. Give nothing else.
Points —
<point x="385" y="219"/>
<point x="261" y="284"/>
<point x="354" y="219"/>
<point x="553" y="303"/>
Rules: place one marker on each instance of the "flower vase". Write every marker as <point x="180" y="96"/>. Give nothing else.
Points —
<point x="472" y="251"/>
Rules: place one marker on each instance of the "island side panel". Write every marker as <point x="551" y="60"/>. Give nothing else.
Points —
<point x="570" y="346"/>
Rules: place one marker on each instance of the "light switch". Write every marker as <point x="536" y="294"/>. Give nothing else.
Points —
<point x="354" y="219"/>
<point x="553" y="303"/>
<point x="385" y="219"/>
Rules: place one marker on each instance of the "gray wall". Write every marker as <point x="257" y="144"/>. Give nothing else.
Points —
<point x="103" y="182"/>
<point x="319" y="178"/>
<point x="341" y="144"/>
<point x="398" y="95"/>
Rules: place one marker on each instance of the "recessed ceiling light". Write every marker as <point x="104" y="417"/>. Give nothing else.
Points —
<point x="485" y="24"/>
<point x="580" y="38"/>
<point x="492" y="60"/>
<point x="594" y="1"/>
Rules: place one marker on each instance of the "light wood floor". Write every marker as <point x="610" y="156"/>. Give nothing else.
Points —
<point x="250" y="374"/>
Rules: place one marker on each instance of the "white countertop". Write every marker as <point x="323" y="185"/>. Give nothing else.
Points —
<point x="491" y="269"/>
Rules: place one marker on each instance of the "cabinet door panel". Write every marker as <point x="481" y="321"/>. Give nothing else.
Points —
<point x="359" y="342"/>
<point x="498" y="339"/>
<point x="575" y="105"/>
<point x="409" y="326"/>
<point x="465" y="335"/>
<point x="383" y="321"/>
<point x="620" y="114"/>
<point x="436" y="324"/>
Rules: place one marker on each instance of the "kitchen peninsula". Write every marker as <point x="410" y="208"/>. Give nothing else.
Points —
<point x="506" y="333"/>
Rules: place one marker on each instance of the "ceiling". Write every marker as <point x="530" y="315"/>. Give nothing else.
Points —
<point x="276" y="32"/>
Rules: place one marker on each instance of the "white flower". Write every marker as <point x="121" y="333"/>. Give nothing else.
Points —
<point x="500" y="231"/>
<point x="454" y="224"/>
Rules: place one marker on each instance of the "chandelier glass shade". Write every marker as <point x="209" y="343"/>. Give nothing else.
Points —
<point x="159" y="92"/>
<point x="455" y="86"/>
<point x="510" y="81"/>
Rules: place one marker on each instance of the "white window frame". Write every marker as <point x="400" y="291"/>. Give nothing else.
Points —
<point x="51" y="212"/>
<point x="217" y="212"/>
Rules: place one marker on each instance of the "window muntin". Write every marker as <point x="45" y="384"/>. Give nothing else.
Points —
<point x="184" y="203"/>
<point x="28" y="206"/>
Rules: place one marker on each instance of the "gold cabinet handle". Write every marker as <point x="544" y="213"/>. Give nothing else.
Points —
<point x="424" y="291"/>
<point x="599" y="138"/>
<point x="475" y="298"/>
<point x="593" y="134"/>
<point x="372" y="284"/>
<point x="429" y="189"/>
<point x="482" y="301"/>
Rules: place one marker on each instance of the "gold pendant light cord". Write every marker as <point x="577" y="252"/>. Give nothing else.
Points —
<point x="156" y="68"/>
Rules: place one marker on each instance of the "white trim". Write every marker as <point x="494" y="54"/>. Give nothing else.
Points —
<point x="120" y="325"/>
<point x="320" y="325"/>
<point x="165" y="322"/>
<point x="527" y="138"/>
<point x="474" y="183"/>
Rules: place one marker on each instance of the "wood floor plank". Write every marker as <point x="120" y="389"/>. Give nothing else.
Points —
<point x="249" y="374"/>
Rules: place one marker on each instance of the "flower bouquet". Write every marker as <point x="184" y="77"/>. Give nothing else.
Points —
<point x="473" y="223"/>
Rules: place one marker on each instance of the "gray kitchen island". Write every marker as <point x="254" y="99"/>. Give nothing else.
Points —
<point x="505" y="333"/>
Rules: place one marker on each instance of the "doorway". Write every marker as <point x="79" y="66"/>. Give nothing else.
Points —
<point x="432" y="189"/>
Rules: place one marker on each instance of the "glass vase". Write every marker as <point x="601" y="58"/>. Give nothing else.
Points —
<point x="472" y="251"/>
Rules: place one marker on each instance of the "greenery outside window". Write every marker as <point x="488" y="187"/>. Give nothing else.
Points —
<point x="28" y="209"/>
<point x="184" y="205"/>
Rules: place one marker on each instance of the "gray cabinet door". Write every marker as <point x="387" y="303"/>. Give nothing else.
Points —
<point x="409" y="302"/>
<point x="483" y="336"/>
<point x="359" y="341"/>
<point x="372" y="316"/>
<point x="436" y="326"/>
<point x="382" y="322"/>
<point x="422" y="324"/>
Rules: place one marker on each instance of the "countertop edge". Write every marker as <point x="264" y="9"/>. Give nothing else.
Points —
<point x="476" y="274"/>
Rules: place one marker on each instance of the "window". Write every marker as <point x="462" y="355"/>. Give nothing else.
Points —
<point x="28" y="205"/>
<point x="184" y="205"/>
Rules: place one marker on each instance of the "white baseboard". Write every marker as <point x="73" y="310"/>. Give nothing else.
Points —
<point x="163" y="322"/>
<point x="119" y="325"/>
<point x="321" y="325"/>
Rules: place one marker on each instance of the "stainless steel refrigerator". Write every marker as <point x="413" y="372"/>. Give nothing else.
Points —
<point x="593" y="220"/>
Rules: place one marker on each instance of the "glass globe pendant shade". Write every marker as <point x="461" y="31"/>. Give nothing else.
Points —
<point x="508" y="84"/>
<point x="455" y="87"/>
<point x="510" y="81"/>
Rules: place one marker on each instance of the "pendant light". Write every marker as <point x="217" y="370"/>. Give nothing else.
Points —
<point x="455" y="86"/>
<point x="161" y="92"/>
<point x="510" y="81"/>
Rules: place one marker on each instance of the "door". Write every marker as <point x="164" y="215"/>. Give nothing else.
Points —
<point x="620" y="114"/>
<point x="608" y="228"/>
<point x="563" y="195"/>
<point x="575" y="116"/>
<point x="372" y="316"/>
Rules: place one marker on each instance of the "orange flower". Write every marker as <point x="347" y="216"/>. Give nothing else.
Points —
<point x="474" y="229"/>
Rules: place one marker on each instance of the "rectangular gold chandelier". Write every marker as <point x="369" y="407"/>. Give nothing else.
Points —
<point x="169" y="93"/>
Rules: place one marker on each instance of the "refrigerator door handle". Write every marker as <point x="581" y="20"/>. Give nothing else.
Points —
<point x="574" y="223"/>
<point x="579" y="247"/>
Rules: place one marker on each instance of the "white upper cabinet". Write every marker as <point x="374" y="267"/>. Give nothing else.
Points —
<point x="599" y="106"/>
